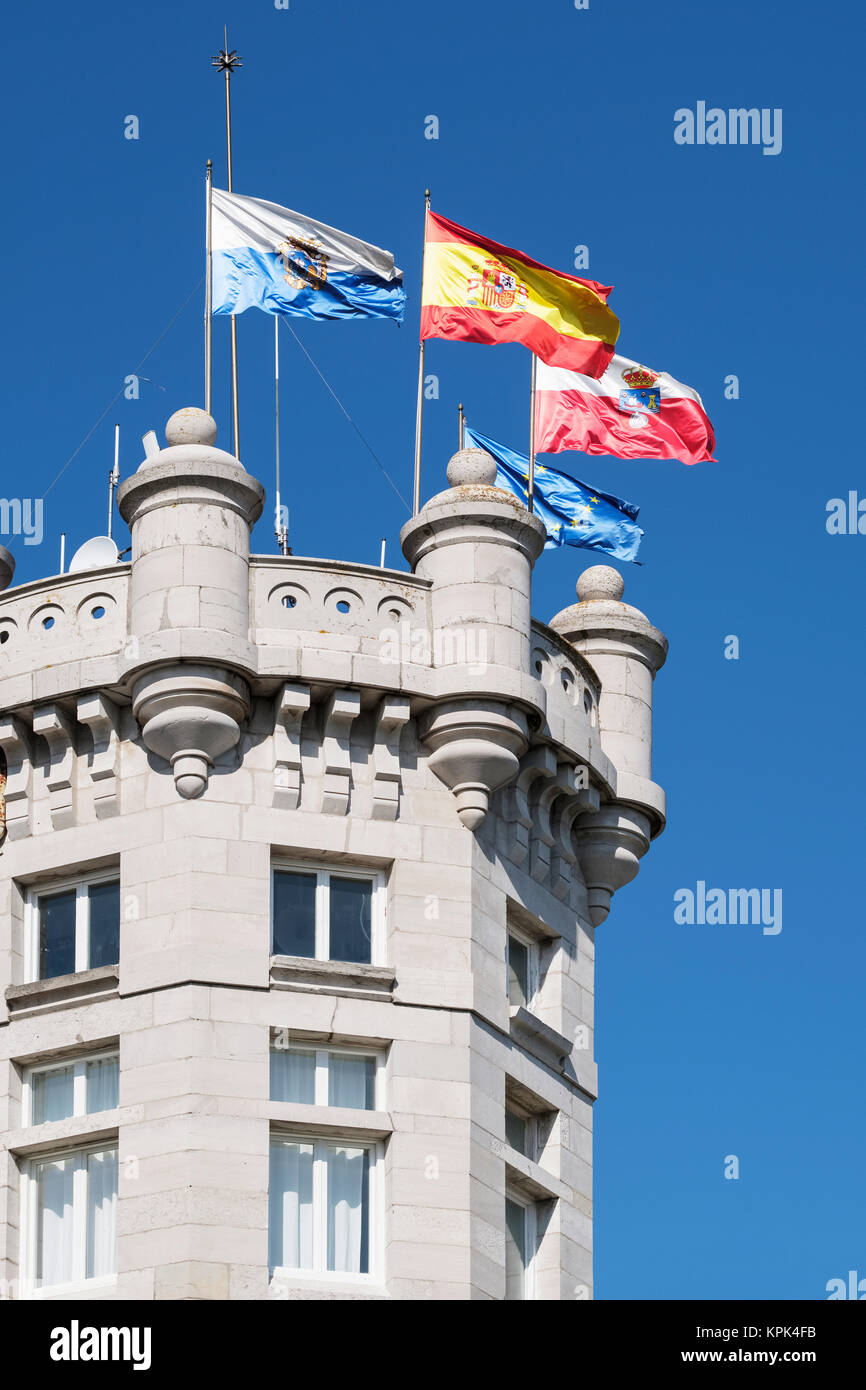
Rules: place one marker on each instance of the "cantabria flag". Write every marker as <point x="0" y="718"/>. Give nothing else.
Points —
<point x="477" y="291"/>
<point x="268" y="257"/>
<point x="630" y="413"/>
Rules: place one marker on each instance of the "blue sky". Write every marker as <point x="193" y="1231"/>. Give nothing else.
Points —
<point x="555" y="129"/>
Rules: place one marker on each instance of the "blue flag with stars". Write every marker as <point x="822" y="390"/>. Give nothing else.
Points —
<point x="573" y="513"/>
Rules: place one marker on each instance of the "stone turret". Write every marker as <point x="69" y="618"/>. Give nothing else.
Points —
<point x="477" y="545"/>
<point x="626" y="651"/>
<point x="190" y="509"/>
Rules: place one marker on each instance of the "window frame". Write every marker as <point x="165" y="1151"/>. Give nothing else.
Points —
<point x="30" y="1211"/>
<point x="286" y="1274"/>
<point x="530" y="1236"/>
<point x="323" y="873"/>
<point x="530" y="1120"/>
<point x="533" y="973"/>
<point x="79" y="1063"/>
<point x="81" y="885"/>
<point x="322" y="1071"/>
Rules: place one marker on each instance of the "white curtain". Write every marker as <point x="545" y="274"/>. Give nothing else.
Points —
<point x="348" y="1214"/>
<point x="101" y="1213"/>
<point x="52" y="1095"/>
<point x="290" y="1227"/>
<point x="54" y="1221"/>
<point x="293" y="1075"/>
<point x="350" y="1081"/>
<point x="102" y="1083"/>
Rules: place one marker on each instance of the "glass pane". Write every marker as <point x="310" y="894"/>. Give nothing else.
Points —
<point x="101" y="1213"/>
<point x="104" y="924"/>
<point x="52" y="1093"/>
<point x="350" y="1081"/>
<point x="515" y="1131"/>
<point x="294" y="914"/>
<point x="57" y="935"/>
<point x="102" y="1084"/>
<point x="290" y="1220"/>
<point x="348" y="1210"/>
<point x="351" y="915"/>
<point x="293" y="1075"/>
<point x="54" y="1221"/>
<point x="515" y="1250"/>
<point x="518" y="971"/>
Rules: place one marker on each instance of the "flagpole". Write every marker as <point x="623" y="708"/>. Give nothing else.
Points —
<point x="532" y="435"/>
<point x="280" y="530"/>
<point x="419" y="408"/>
<point x="226" y="61"/>
<point x="208" y="292"/>
<point x="113" y="479"/>
<point x="461" y="420"/>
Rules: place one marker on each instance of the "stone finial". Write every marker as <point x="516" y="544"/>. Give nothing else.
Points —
<point x="471" y="468"/>
<point x="190" y="426"/>
<point x="7" y="567"/>
<point x="600" y="582"/>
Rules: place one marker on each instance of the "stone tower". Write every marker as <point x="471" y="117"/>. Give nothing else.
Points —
<point x="300" y="872"/>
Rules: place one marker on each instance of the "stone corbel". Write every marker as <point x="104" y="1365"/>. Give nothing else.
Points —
<point x="475" y="748"/>
<point x="102" y="718"/>
<point x="52" y="724"/>
<point x="542" y="831"/>
<point x="577" y="797"/>
<point x="516" y="820"/>
<point x="341" y="711"/>
<point x="393" y="715"/>
<point x="609" y="843"/>
<point x="18" y="795"/>
<point x="190" y="715"/>
<point x="292" y="704"/>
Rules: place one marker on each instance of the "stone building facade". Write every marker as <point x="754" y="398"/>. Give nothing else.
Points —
<point x="300" y="871"/>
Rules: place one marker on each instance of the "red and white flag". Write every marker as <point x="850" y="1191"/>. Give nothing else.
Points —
<point x="629" y="412"/>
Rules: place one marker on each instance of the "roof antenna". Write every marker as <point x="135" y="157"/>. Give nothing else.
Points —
<point x="113" y="478"/>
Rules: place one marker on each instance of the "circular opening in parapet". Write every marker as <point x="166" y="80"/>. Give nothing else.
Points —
<point x="47" y="623"/>
<point x="288" y="600"/>
<point x="567" y="681"/>
<point x="343" y="605"/>
<point x="4" y="636"/>
<point x="97" y="612"/>
<point x="395" y="614"/>
<point x="587" y="702"/>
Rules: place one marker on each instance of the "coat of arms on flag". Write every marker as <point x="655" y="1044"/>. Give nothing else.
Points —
<point x="640" y="393"/>
<point x="496" y="287"/>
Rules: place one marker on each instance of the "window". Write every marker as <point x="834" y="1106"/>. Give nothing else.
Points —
<point x="327" y="916"/>
<point x="520" y="1238"/>
<point x="73" y="927"/>
<point x="70" y="1218"/>
<point x="522" y="955"/>
<point x="520" y="1133"/>
<point x="78" y="1086"/>
<point x="321" y="1198"/>
<point x="315" y="1076"/>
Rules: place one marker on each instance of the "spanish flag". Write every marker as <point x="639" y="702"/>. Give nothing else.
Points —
<point x="477" y="291"/>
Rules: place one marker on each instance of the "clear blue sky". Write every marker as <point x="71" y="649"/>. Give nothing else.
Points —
<point x="556" y="129"/>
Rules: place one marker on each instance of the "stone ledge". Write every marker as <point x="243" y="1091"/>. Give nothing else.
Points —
<point x="538" y="1037"/>
<point x="292" y="1117"/>
<point x="72" y="1133"/>
<point x="528" y="1177"/>
<point x="338" y="977"/>
<point x="63" y="991"/>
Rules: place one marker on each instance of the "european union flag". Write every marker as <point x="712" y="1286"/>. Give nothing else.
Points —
<point x="573" y="513"/>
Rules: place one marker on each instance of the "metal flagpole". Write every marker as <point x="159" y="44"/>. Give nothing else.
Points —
<point x="532" y="435"/>
<point x="461" y="420"/>
<point x="208" y="290"/>
<point x="113" y="478"/>
<point x="419" y="409"/>
<point x="280" y="531"/>
<point x="226" y="61"/>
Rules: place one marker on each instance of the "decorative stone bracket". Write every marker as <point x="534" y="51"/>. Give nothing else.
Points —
<point x="475" y="749"/>
<point x="391" y="719"/>
<point x="102" y="718"/>
<point x="292" y="704"/>
<point x="15" y="742"/>
<point x="610" y="843"/>
<point x="191" y="715"/>
<point x="341" y="711"/>
<point x="55" y="726"/>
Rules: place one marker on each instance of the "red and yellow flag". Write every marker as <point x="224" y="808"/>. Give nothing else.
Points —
<point x="477" y="291"/>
